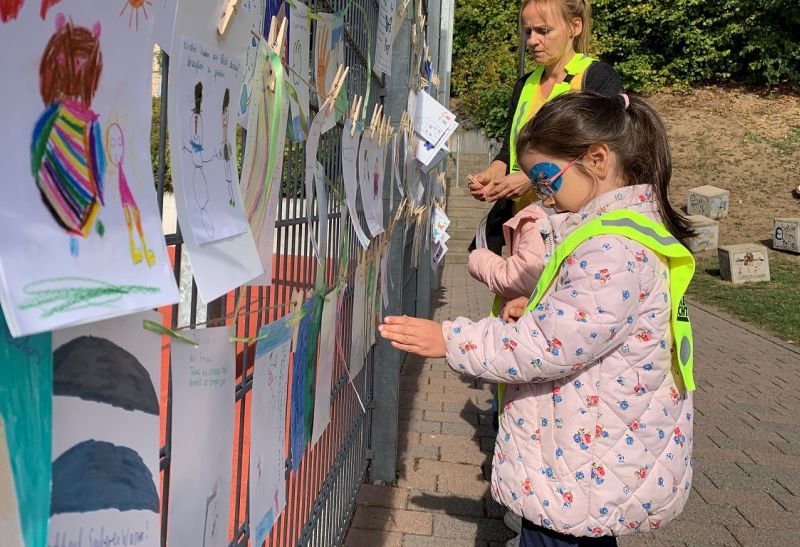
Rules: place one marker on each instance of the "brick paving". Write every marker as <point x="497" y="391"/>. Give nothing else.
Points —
<point x="746" y="490"/>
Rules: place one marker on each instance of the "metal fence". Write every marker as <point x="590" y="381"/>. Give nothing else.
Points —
<point x="321" y="493"/>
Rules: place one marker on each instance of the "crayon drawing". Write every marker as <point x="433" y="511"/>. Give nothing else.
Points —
<point x="67" y="155"/>
<point x="135" y="9"/>
<point x="25" y="437"/>
<point x="105" y="431"/>
<point x="75" y="149"/>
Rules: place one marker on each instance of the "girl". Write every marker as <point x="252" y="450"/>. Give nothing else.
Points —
<point x="596" y="435"/>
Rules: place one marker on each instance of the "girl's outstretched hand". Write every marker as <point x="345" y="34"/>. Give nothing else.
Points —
<point x="414" y="335"/>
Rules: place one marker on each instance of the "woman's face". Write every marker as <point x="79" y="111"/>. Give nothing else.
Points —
<point x="547" y="35"/>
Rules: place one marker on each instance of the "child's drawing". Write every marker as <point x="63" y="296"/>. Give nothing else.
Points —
<point x="88" y="239"/>
<point x="26" y="369"/>
<point x="105" y="430"/>
<point x="67" y="155"/>
<point x="115" y="146"/>
<point x="267" y="486"/>
<point x="203" y="405"/>
<point x="226" y="151"/>
<point x="9" y="9"/>
<point x="135" y="8"/>
<point x="194" y="146"/>
<point x="207" y="181"/>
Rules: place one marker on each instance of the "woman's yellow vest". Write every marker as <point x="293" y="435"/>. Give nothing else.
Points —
<point x="658" y="239"/>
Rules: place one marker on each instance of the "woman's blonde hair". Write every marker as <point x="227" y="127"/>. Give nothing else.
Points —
<point x="571" y="9"/>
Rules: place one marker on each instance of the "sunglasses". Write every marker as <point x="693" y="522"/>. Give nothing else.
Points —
<point x="546" y="177"/>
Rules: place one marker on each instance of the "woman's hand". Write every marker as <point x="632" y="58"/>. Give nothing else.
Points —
<point x="509" y="187"/>
<point x="480" y="184"/>
<point x="514" y="309"/>
<point x="414" y="335"/>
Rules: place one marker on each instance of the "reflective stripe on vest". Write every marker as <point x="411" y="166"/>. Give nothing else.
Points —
<point x="578" y="64"/>
<point x="655" y="237"/>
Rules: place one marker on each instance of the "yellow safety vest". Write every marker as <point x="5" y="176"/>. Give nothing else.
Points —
<point x="575" y="67"/>
<point x="658" y="239"/>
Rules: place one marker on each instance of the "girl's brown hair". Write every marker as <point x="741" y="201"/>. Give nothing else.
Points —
<point x="571" y="9"/>
<point x="568" y="125"/>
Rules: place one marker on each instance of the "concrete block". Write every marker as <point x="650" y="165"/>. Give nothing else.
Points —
<point x="786" y="236"/>
<point x="744" y="263"/>
<point x="707" y="238"/>
<point x="709" y="201"/>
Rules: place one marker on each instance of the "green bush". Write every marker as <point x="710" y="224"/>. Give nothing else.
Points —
<point x="154" y="137"/>
<point x="653" y="44"/>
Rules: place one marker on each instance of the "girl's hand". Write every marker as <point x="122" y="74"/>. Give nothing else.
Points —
<point x="514" y="309"/>
<point x="414" y="335"/>
<point x="510" y="187"/>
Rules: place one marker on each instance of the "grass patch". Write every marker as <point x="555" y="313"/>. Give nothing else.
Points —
<point x="774" y="306"/>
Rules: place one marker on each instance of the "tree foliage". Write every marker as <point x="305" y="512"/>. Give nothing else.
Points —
<point x="653" y="44"/>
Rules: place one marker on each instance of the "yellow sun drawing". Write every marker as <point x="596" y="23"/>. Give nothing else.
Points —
<point x="136" y="6"/>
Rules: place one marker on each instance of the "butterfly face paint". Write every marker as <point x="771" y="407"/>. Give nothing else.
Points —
<point x="547" y="178"/>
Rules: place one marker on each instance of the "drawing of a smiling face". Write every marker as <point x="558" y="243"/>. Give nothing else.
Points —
<point x="115" y="144"/>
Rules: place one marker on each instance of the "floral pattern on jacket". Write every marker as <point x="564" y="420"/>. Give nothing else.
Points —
<point x="596" y="433"/>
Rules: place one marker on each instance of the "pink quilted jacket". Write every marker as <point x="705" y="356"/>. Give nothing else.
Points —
<point x="596" y="434"/>
<point x="516" y="275"/>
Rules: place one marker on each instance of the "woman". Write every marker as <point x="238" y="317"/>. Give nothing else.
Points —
<point x="557" y="37"/>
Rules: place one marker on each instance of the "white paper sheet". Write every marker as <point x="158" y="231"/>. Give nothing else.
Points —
<point x="267" y="484"/>
<point x="328" y="55"/>
<point x="437" y="254"/>
<point x="398" y="154"/>
<point x="248" y="19"/>
<point x="105" y="433"/>
<point x="312" y="145"/>
<point x="433" y="122"/>
<point x="439" y="223"/>
<point x="350" y="176"/>
<point x="164" y="22"/>
<point x="358" y="344"/>
<point x="368" y="182"/>
<point x="480" y="234"/>
<point x="228" y="263"/>
<point x="327" y="354"/>
<point x="68" y="259"/>
<point x="209" y="179"/>
<point x="262" y="165"/>
<point x="300" y="68"/>
<point x="203" y="404"/>
<point x="384" y="38"/>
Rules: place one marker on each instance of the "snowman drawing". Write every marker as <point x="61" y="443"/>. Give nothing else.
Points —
<point x="194" y="146"/>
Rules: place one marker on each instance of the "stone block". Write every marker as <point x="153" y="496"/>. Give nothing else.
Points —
<point x="786" y="236"/>
<point x="744" y="263"/>
<point x="707" y="238"/>
<point x="709" y="201"/>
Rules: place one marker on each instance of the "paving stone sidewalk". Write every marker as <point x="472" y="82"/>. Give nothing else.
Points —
<point x="746" y="489"/>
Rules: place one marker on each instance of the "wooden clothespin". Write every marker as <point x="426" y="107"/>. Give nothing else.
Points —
<point x="275" y="43"/>
<point x="336" y="86"/>
<point x="355" y="108"/>
<point x="227" y="15"/>
<point x="376" y="120"/>
<point x="436" y="81"/>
